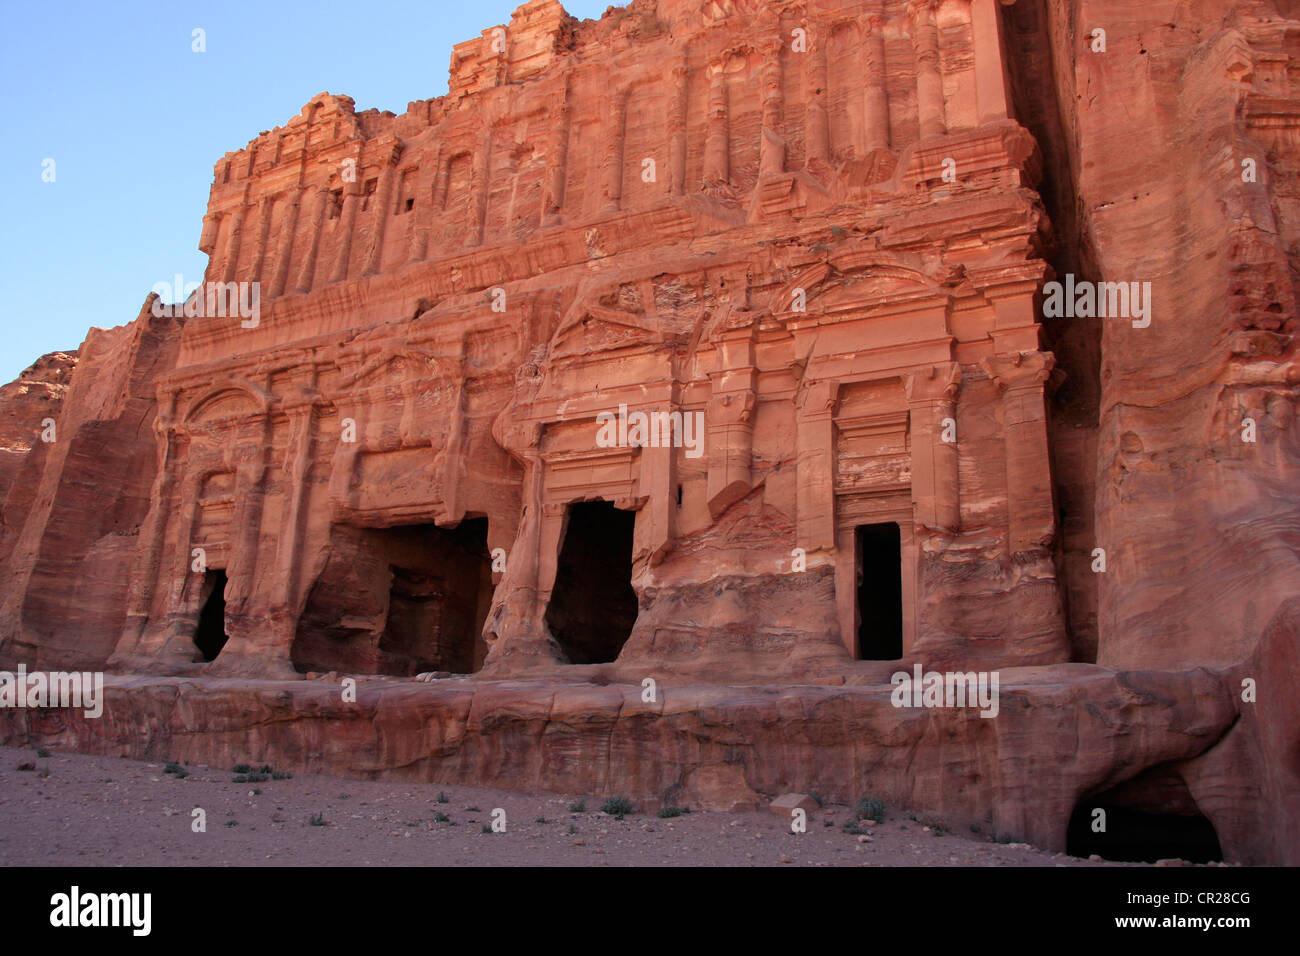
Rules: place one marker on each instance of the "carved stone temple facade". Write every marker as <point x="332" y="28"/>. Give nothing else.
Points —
<point x="705" y="343"/>
<point x="812" y="227"/>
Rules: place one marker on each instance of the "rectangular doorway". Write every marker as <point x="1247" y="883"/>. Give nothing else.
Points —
<point x="879" y="563"/>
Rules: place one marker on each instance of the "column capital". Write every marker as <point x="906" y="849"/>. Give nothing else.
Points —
<point x="1020" y="369"/>
<point x="936" y="383"/>
<point x="821" y="398"/>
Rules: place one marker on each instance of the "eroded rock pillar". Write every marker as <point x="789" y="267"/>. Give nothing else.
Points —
<point x="308" y="274"/>
<point x="1031" y="511"/>
<point x="481" y="188"/>
<point x="557" y="156"/>
<point x="716" y="160"/>
<point x="875" y="99"/>
<point x="264" y="211"/>
<point x="816" y="119"/>
<point x="231" y="262"/>
<point x="425" y="203"/>
<point x="729" y="421"/>
<point x="284" y="249"/>
<point x="991" y="93"/>
<point x="929" y="78"/>
<point x="383" y="210"/>
<point x="347" y="224"/>
<point x="932" y="423"/>
<point x="771" y="155"/>
<point x="677" y="130"/>
<point x="612" y="191"/>
<point x="815" y="463"/>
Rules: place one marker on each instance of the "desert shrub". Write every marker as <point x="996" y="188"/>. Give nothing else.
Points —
<point x="618" y="807"/>
<point x="869" y="808"/>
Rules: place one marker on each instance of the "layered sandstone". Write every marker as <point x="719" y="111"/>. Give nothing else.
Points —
<point x="821" y="230"/>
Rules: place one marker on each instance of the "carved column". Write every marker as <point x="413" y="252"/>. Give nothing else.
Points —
<point x="347" y="224"/>
<point x="297" y="465"/>
<point x="1021" y="377"/>
<point x="425" y="205"/>
<point x="232" y="245"/>
<point x="284" y="251"/>
<point x="876" y="100"/>
<point x="929" y="78"/>
<point x="557" y="155"/>
<point x="931" y="399"/>
<point x="816" y="120"/>
<point x="729" y="421"/>
<point x="771" y="150"/>
<point x="815" y="464"/>
<point x="265" y="209"/>
<point x="677" y="110"/>
<point x="308" y="274"/>
<point x="481" y="188"/>
<point x="653" y="532"/>
<point x="716" y="160"/>
<point x="383" y="208"/>
<point x="991" y="93"/>
<point x="153" y="532"/>
<point x="612" y="192"/>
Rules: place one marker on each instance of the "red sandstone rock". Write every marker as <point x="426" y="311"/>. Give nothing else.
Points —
<point x="829" y="256"/>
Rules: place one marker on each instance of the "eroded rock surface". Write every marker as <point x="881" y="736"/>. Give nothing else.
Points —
<point x="710" y="343"/>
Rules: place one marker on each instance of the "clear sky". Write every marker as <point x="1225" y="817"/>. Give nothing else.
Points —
<point x="134" y="120"/>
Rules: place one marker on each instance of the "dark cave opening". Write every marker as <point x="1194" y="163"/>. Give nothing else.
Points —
<point x="210" y="634"/>
<point x="1143" y="831"/>
<point x="593" y="606"/>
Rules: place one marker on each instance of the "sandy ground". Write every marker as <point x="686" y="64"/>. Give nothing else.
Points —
<point x="76" y="810"/>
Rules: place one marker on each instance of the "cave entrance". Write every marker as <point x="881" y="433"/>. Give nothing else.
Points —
<point x="879" y="562"/>
<point x="210" y="634"/>
<point x="399" y="601"/>
<point x="593" y="607"/>
<point x="436" y="609"/>
<point x="1142" y="832"/>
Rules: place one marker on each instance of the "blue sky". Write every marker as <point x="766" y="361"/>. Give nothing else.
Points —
<point x="134" y="121"/>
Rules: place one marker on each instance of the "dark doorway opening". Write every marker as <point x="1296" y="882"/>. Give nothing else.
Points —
<point x="593" y="607"/>
<point x="399" y="601"/>
<point x="210" y="635"/>
<point x="1141" y="836"/>
<point x="879" y="591"/>
<point x="436" y="612"/>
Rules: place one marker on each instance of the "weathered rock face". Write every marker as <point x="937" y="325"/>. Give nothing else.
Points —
<point x="36" y="395"/>
<point x="697" y="746"/>
<point x="710" y="342"/>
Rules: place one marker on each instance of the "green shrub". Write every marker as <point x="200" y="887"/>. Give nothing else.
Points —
<point x="241" y="768"/>
<point x="666" y="813"/>
<point x="578" y="806"/>
<point x="617" y="807"/>
<point x="317" y="820"/>
<point x="869" y="808"/>
<point x="440" y="817"/>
